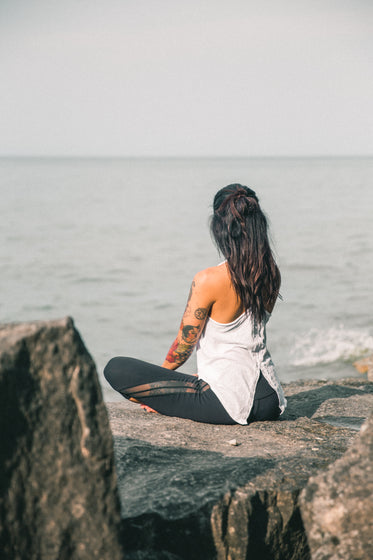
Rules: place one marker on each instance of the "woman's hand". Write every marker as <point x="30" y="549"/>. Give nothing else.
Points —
<point x="197" y="308"/>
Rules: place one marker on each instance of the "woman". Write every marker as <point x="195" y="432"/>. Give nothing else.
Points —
<point x="225" y="319"/>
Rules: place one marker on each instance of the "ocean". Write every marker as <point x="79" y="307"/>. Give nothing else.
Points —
<point x="115" y="243"/>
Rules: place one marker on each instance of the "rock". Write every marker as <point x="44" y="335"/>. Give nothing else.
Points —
<point x="365" y="365"/>
<point x="187" y="494"/>
<point x="337" y="506"/>
<point x="58" y="496"/>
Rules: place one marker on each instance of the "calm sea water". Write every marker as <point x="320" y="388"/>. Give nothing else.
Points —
<point x="115" y="244"/>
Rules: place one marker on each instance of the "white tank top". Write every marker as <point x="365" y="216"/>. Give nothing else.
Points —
<point x="230" y="357"/>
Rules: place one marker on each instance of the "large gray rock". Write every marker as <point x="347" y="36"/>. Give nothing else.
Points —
<point x="187" y="493"/>
<point x="337" y="506"/>
<point x="58" y="496"/>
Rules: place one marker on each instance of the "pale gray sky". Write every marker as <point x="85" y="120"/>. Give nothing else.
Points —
<point x="185" y="78"/>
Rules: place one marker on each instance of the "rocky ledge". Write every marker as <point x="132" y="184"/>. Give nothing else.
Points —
<point x="273" y="490"/>
<point x="199" y="491"/>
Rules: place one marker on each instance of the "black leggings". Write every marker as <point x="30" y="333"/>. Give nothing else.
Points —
<point x="177" y="394"/>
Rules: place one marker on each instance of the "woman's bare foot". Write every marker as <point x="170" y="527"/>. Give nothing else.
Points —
<point x="147" y="408"/>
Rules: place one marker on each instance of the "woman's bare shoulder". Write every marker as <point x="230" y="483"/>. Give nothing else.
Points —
<point x="211" y="276"/>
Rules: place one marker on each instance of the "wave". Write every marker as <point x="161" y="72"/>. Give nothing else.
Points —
<point x="336" y="344"/>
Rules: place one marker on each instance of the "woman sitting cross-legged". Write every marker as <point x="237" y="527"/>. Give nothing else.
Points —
<point x="225" y="319"/>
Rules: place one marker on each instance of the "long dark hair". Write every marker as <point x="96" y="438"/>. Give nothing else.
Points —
<point x="240" y="230"/>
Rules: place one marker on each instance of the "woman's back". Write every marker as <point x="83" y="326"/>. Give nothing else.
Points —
<point x="227" y="306"/>
<point x="232" y="354"/>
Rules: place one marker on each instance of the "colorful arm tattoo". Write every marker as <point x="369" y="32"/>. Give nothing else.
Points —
<point x="179" y="353"/>
<point x="188" y="334"/>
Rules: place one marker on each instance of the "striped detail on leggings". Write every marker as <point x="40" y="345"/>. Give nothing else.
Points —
<point x="165" y="388"/>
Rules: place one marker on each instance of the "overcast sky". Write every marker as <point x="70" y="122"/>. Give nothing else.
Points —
<point x="186" y="78"/>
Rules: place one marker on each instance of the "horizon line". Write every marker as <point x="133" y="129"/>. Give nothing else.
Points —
<point x="256" y="156"/>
